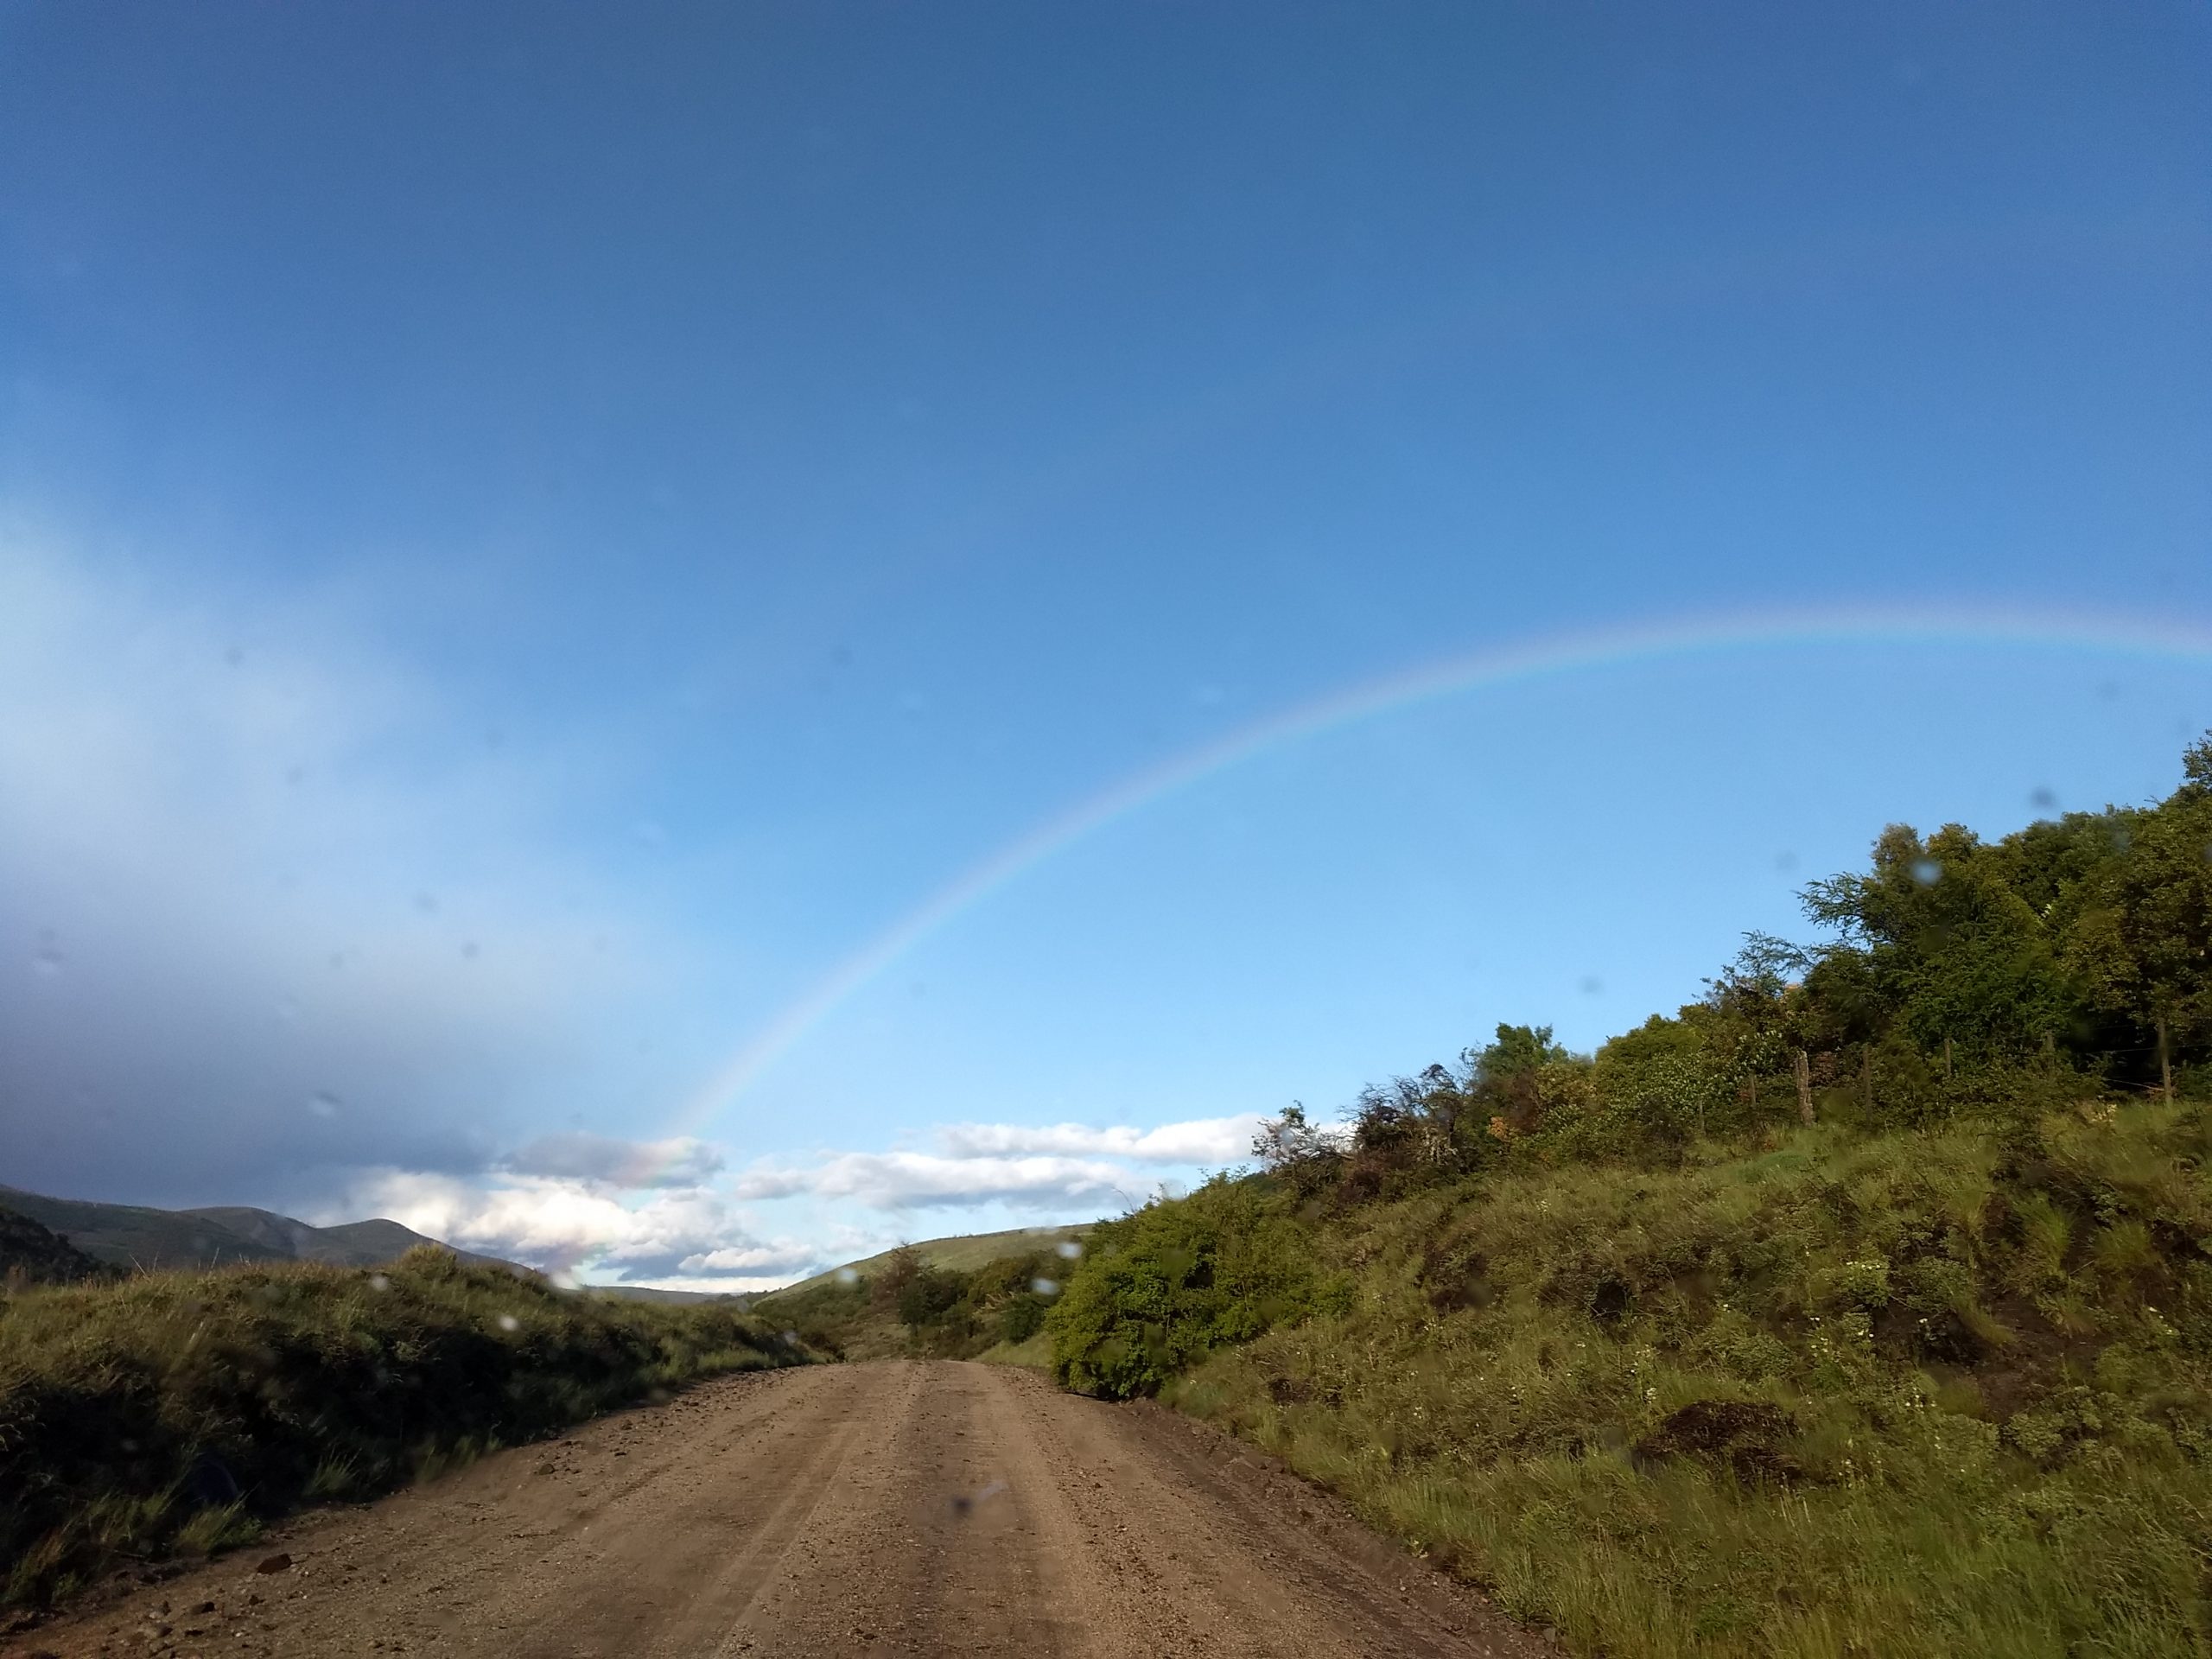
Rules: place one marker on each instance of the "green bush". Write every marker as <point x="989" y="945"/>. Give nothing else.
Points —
<point x="1160" y="1289"/>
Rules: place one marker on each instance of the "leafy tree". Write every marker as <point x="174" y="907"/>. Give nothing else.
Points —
<point x="1952" y="953"/>
<point x="2143" y="945"/>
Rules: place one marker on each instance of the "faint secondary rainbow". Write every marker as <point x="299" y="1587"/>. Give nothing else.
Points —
<point x="1478" y="671"/>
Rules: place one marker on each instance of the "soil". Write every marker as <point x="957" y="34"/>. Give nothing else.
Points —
<point x="894" y="1507"/>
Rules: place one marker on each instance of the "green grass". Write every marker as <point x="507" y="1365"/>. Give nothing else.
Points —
<point x="1033" y="1353"/>
<point x="952" y="1313"/>
<point x="178" y="1412"/>
<point x="963" y="1253"/>
<point x="1940" y="1392"/>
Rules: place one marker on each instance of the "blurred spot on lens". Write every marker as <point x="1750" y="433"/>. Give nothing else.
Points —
<point x="426" y="902"/>
<point x="1045" y="1286"/>
<point x="1068" y="1249"/>
<point x="508" y="1322"/>
<point x="2043" y="797"/>
<point x="323" y="1103"/>
<point x="46" y="957"/>
<point x="1927" y="871"/>
<point x="849" y="1276"/>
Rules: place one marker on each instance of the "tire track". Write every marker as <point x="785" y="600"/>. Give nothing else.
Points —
<point x="888" y="1510"/>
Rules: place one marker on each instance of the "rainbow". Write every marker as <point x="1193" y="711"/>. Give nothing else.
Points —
<point x="1450" y="676"/>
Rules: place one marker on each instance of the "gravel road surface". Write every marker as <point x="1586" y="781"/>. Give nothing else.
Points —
<point x="895" y="1508"/>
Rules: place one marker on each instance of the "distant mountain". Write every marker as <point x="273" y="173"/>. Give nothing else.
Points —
<point x="34" y="1253"/>
<point x="133" y="1237"/>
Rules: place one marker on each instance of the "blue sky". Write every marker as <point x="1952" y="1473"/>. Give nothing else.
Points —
<point x="531" y="537"/>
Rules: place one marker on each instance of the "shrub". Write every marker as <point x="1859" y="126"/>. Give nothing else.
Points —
<point x="1158" y="1289"/>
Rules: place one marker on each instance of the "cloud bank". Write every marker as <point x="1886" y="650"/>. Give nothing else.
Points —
<point x="667" y="1212"/>
<point x="272" y="909"/>
<point x="1067" y="1167"/>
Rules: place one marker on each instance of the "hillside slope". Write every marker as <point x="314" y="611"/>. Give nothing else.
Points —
<point x="980" y="1296"/>
<point x="33" y="1254"/>
<point x="1862" y="1306"/>
<point x="960" y="1253"/>
<point x="174" y="1413"/>
<point x="136" y="1237"/>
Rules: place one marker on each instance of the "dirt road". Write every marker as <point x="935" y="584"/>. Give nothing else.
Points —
<point x="888" y="1508"/>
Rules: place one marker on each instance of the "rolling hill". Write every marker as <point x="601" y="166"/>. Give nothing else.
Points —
<point x="962" y="1253"/>
<point x="134" y="1236"/>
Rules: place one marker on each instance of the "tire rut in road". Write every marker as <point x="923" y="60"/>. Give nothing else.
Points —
<point x="898" y="1507"/>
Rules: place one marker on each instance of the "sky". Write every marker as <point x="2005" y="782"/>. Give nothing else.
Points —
<point x="681" y="641"/>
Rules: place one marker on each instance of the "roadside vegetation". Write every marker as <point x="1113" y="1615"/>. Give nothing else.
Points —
<point x="1863" y="1305"/>
<point x="175" y="1414"/>
<point x="903" y="1303"/>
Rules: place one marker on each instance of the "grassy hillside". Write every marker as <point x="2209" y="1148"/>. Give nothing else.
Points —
<point x="140" y="1239"/>
<point x="168" y="1413"/>
<point x="962" y="1253"/>
<point x="1862" y="1306"/>
<point x="34" y="1254"/>
<point x="671" y="1298"/>
<point x="1935" y="1391"/>
<point x="915" y="1300"/>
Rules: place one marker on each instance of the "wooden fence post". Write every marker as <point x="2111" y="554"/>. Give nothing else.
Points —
<point x="1804" y="1088"/>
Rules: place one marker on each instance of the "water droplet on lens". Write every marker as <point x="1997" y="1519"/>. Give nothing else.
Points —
<point x="426" y="902"/>
<point x="791" y="1338"/>
<point x="849" y="1276"/>
<point x="1068" y="1249"/>
<point x="1045" y="1286"/>
<point x="378" y="1281"/>
<point x="508" y="1322"/>
<point x="323" y="1103"/>
<point x="469" y="949"/>
<point x="1927" y="871"/>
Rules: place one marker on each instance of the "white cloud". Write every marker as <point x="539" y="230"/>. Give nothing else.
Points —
<point x="598" y="1160"/>
<point x="748" y="1259"/>
<point x="1213" y="1142"/>
<point x="1063" y="1167"/>
<point x="569" y="1225"/>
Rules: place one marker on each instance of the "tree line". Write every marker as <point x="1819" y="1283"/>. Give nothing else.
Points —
<point x="1953" y="975"/>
